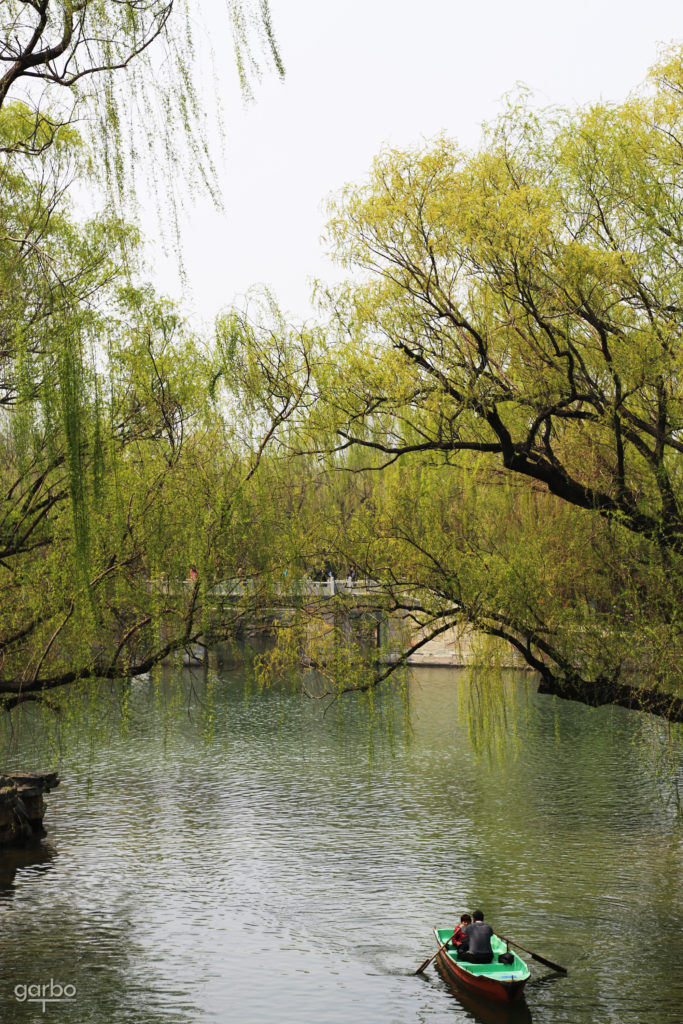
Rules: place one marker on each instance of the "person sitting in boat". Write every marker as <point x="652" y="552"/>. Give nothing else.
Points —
<point x="459" y="940"/>
<point x="479" y="937"/>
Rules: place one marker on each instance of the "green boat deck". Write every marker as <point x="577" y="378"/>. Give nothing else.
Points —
<point x="516" y="971"/>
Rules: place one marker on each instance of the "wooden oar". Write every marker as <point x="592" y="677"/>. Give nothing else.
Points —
<point x="535" y="956"/>
<point x="429" y="959"/>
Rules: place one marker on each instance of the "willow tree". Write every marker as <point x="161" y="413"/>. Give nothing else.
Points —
<point x="124" y="68"/>
<point x="113" y="454"/>
<point x="122" y="458"/>
<point x="519" y="324"/>
<point x="119" y="473"/>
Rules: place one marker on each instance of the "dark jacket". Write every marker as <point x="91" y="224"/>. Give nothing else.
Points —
<point x="479" y="935"/>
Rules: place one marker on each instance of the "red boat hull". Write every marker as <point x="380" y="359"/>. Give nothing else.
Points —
<point x="500" y="991"/>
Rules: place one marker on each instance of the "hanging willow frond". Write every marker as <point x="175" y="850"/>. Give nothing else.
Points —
<point x="133" y="73"/>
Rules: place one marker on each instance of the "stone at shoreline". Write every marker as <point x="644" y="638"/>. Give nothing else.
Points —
<point x="22" y="806"/>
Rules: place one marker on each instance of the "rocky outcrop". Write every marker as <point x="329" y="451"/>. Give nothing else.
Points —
<point x="22" y="805"/>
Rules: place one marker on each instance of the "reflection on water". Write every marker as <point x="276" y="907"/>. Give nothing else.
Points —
<point x="292" y="867"/>
<point x="36" y="857"/>
<point x="485" y="1011"/>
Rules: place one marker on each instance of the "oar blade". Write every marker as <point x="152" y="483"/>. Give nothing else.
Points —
<point x="548" y="963"/>
<point x="424" y="965"/>
<point x="535" y="956"/>
<point x="432" y="957"/>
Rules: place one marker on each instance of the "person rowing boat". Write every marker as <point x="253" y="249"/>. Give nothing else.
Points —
<point x="478" y="936"/>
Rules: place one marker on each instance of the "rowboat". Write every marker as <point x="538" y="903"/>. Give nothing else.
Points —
<point x="499" y="981"/>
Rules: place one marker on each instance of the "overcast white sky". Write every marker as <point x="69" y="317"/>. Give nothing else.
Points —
<point x="363" y="73"/>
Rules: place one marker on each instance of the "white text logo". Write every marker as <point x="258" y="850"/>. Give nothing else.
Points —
<point x="44" y="994"/>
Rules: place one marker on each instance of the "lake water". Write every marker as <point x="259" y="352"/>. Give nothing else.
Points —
<point x="215" y="858"/>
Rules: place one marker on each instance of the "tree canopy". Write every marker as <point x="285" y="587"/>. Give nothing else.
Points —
<point x="512" y="354"/>
<point x="490" y="427"/>
<point x="119" y="464"/>
<point x="129" y="72"/>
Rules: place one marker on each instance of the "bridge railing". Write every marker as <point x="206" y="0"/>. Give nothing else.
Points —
<point x="295" y="588"/>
